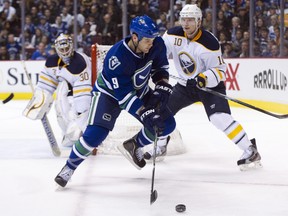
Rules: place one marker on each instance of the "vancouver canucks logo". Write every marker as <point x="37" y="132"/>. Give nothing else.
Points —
<point x="187" y="63"/>
<point x="113" y="62"/>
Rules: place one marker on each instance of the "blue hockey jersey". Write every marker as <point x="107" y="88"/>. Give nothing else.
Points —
<point x="125" y="75"/>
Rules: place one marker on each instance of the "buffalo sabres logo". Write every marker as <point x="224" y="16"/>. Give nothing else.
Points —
<point x="113" y="62"/>
<point x="187" y="63"/>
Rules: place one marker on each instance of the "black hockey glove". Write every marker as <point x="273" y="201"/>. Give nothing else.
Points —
<point x="151" y="120"/>
<point x="160" y="96"/>
<point x="200" y="81"/>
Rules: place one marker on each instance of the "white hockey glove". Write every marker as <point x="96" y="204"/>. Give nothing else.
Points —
<point x="39" y="105"/>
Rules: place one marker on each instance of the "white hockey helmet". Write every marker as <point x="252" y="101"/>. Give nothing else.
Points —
<point x="64" y="47"/>
<point x="191" y="11"/>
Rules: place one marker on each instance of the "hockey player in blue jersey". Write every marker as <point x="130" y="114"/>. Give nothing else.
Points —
<point x="123" y="85"/>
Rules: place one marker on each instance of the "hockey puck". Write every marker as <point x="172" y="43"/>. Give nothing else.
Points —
<point x="180" y="208"/>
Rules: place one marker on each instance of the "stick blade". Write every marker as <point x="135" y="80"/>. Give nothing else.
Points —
<point x="153" y="197"/>
<point x="10" y="97"/>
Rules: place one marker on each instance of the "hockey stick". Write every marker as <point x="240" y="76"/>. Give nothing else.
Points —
<point x="45" y="122"/>
<point x="10" y="97"/>
<point x="236" y="101"/>
<point x="154" y="194"/>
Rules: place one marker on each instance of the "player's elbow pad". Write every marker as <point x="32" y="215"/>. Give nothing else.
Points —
<point x="39" y="104"/>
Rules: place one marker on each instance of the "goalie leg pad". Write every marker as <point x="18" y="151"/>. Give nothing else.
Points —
<point x="64" y="106"/>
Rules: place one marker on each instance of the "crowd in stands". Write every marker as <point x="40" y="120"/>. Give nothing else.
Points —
<point x="101" y="21"/>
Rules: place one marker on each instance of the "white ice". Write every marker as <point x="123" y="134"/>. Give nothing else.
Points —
<point x="206" y="178"/>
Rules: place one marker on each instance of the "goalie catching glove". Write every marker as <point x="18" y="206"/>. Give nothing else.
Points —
<point x="160" y="96"/>
<point x="39" y="105"/>
<point x="200" y="81"/>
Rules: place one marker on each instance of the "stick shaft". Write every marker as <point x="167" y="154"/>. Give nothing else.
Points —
<point x="45" y="122"/>
<point x="153" y="195"/>
<point x="236" y="100"/>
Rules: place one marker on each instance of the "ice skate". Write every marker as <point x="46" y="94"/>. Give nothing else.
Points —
<point x="64" y="176"/>
<point x="250" y="159"/>
<point x="161" y="149"/>
<point x="132" y="152"/>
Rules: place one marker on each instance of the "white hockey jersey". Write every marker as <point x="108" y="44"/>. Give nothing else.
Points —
<point x="200" y="55"/>
<point x="77" y="74"/>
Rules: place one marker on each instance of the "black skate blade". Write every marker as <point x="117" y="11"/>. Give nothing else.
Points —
<point x="153" y="197"/>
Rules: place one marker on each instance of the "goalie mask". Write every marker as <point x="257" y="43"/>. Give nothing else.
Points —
<point x="64" y="47"/>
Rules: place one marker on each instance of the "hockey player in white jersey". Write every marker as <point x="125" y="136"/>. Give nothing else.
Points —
<point x="69" y="72"/>
<point x="199" y="63"/>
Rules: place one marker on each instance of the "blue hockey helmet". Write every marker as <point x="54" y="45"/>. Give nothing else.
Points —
<point x="144" y="26"/>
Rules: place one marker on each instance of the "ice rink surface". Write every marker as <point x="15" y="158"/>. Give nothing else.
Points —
<point x="206" y="178"/>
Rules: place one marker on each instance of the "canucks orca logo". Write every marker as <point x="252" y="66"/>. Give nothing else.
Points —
<point x="142" y="75"/>
<point x="113" y="62"/>
<point x="187" y="63"/>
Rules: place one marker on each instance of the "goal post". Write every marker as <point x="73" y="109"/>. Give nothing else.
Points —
<point x="126" y="125"/>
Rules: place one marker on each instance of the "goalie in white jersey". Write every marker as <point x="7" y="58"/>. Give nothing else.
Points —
<point x="199" y="63"/>
<point x="69" y="72"/>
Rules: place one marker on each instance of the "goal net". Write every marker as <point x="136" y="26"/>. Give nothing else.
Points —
<point x="126" y="125"/>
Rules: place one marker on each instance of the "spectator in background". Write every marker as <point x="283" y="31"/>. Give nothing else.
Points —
<point x="238" y="40"/>
<point x="286" y="35"/>
<point x="222" y="40"/>
<point x="36" y="38"/>
<point x="44" y="26"/>
<point x="176" y="12"/>
<point x="136" y="8"/>
<point x="246" y="35"/>
<point x="228" y="50"/>
<point x="153" y="10"/>
<point x="3" y="36"/>
<point x="285" y="50"/>
<point x="66" y="17"/>
<point x="49" y="47"/>
<point x="274" y="51"/>
<point x="35" y="15"/>
<point x="9" y="11"/>
<point x="244" y="53"/>
<point x="224" y="20"/>
<point x="263" y="41"/>
<point x="40" y="53"/>
<point x="95" y="12"/>
<point x="29" y="26"/>
<point x="162" y="23"/>
<point x="243" y="18"/>
<point x="107" y="30"/>
<point x="273" y="23"/>
<point x="207" y="20"/>
<point x="49" y="17"/>
<point x="277" y="35"/>
<point x="114" y="9"/>
<point x="13" y="48"/>
<point x="58" y="27"/>
<point x="84" y="40"/>
<point x="235" y="26"/>
<point x="3" y="53"/>
<point x="259" y="25"/>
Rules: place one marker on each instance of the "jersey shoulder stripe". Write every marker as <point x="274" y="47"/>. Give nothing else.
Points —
<point x="77" y="65"/>
<point x="208" y="40"/>
<point x="177" y="31"/>
<point x="52" y="61"/>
